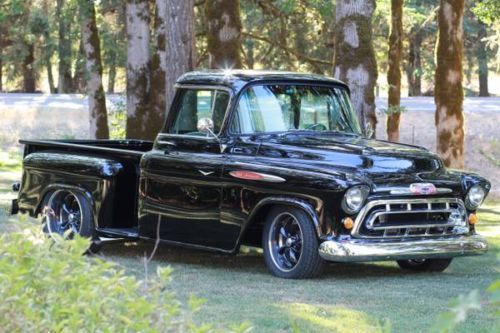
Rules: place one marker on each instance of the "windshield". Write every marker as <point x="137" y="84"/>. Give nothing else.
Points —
<point x="283" y="108"/>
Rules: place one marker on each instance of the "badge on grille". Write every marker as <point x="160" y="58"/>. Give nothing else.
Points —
<point x="423" y="188"/>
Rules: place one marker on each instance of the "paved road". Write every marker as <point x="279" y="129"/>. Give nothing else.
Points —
<point x="76" y="102"/>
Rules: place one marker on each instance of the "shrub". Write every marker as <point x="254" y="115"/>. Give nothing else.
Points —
<point x="49" y="286"/>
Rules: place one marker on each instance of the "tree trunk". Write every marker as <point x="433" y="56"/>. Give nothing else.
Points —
<point x="414" y="66"/>
<point x="50" y="77"/>
<point x="482" y="57"/>
<point x="91" y="46"/>
<point x="180" y="47"/>
<point x="112" y="74"/>
<point x="29" y="76"/>
<point x="448" y="91"/>
<point x="355" y="62"/>
<point x="138" y="71"/>
<point x="1" y="73"/>
<point x="64" y="48"/>
<point x="158" y="73"/>
<point x="394" y="72"/>
<point x="223" y="33"/>
<point x="78" y="81"/>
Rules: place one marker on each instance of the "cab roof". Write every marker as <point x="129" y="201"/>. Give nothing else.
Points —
<point x="236" y="79"/>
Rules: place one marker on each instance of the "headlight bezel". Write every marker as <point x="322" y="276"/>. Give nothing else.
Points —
<point x="471" y="204"/>
<point x="349" y="205"/>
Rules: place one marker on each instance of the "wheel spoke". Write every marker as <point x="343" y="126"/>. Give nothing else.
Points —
<point x="65" y="208"/>
<point x="281" y="250"/>
<point x="283" y="232"/>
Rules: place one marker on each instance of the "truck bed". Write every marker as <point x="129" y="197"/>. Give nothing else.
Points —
<point x="106" y="147"/>
<point x="56" y="157"/>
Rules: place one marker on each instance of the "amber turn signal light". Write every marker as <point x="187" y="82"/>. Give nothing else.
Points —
<point x="348" y="223"/>
<point x="473" y="219"/>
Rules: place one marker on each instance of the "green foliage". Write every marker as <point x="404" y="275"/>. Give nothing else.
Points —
<point x="117" y="118"/>
<point x="50" y="287"/>
<point x="487" y="11"/>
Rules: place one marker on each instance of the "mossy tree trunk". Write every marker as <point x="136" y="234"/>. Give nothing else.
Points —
<point x="158" y="62"/>
<point x="354" y="59"/>
<point x="482" y="61"/>
<point x="394" y="72"/>
<point x="29" y="74"/>
<point x="180" y="54"/>
<point x="138" y="68"/>
<point x="223" y="33"/>
<point x="448" y="91"/>
<point x="414" y="65"/>
<point x="93" y="65"/>
<point x="78" y="80"/>
<point x="64" y="47"/>
<point x="112" y="73"/>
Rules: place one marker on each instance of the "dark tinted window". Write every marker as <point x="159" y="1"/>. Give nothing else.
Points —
<point x="196" y="104"/>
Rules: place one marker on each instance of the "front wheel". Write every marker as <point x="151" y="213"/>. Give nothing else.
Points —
<point x="425" y="265"/>
<point x="290" y="244"/>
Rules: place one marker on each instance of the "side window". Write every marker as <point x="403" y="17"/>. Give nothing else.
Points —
<point x="196" y="104"/>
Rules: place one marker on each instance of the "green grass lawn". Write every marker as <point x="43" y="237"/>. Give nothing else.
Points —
<point x="347" y="298"/>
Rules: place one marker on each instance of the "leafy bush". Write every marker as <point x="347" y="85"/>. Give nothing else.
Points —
<point x="49" y="286"/>
<point x="117" y="113"/>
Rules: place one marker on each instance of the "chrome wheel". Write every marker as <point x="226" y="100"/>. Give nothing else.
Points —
<point x="63" y="214"/>
<point x="285" y="241"/>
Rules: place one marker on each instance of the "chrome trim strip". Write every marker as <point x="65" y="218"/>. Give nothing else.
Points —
<point x="409" y="202"/>
<point x="401" y="190"/>
<point x="356" y="250"/>
<point x="265" y="177"/>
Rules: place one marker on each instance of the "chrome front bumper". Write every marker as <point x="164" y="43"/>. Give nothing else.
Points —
<point x="355" y="250"/>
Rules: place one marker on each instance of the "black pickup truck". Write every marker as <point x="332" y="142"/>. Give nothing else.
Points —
<point x="275" y="160"/>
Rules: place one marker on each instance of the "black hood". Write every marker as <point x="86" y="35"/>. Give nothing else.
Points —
<point x="376" y="160"/>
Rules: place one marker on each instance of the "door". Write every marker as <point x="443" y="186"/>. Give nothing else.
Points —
<point x="181" y="177"/>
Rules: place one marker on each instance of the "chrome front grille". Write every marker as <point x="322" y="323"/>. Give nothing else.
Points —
<point x="411" y="218"/>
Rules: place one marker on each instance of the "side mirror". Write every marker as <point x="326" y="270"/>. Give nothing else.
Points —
<point x="206" y="126"/>
<point x="369" y="130"/>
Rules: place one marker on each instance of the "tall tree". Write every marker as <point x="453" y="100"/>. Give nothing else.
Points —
<point x="91" y="45"/>
<point x="355" y="61"/>
<point x="180" y="45"/>
<point x="414" y="64"/>
<point x="448" y="91"/>
<point x="158" y="72"/>
<point x="64" y="14"/>
<point x="138" y="68"/>
<point x="224" y="33"/>
<point x="394" y="72"/>
<point x="482" y="61"/>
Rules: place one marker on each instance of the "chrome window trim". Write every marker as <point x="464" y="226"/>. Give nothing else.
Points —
<point x="360" y="218"/>
<point x="224" y="120"/>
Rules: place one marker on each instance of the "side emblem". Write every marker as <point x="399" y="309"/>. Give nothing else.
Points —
<point x="206" y="173"/>
<point x="251" y="175"/>
<point x="423" y="189"/>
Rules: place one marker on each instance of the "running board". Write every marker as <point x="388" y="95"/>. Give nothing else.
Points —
<point x="128" y="233"/>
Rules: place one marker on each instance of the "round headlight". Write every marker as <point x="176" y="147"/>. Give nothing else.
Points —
<point x="354" y="199"/>
<point x="475" y="197"/>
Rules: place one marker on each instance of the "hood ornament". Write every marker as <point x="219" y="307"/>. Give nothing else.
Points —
<point x="423" y="188"/>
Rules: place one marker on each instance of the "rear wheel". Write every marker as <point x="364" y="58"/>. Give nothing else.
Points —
<point x="425" y="265"/>
<point x="68" y="213"/>
<point x="290" y="244"/>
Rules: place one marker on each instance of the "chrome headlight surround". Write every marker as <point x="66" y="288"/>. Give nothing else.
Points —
<point x="355" y="198"/>
<point x="475" y="197"/>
